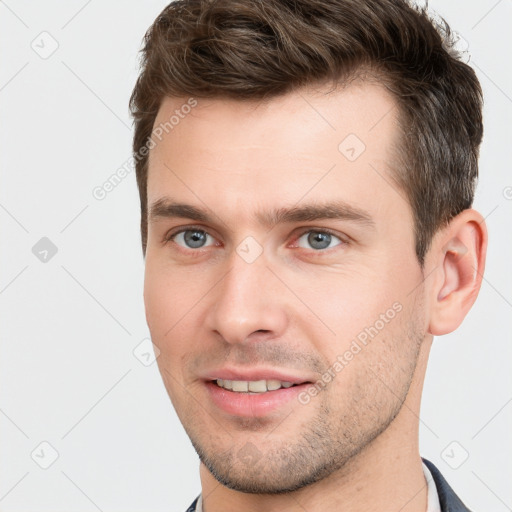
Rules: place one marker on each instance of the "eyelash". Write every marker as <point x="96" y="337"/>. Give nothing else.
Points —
<point x="170" y="236"/>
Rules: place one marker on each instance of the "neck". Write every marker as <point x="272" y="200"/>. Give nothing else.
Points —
<point x="386" y="475"/>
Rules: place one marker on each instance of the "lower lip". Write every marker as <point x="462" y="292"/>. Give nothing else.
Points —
<point x="251" y="405"/>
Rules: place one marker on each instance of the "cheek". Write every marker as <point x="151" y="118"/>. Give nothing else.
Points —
<point x="162" y="316"/>
<point x="158" y="300"/>
<point x="343" y="301"/>
<point x="362" y="303"/>
<point x="375" y="362"/>
<point x="168" y="294"/>
<point x="174" y="312"/>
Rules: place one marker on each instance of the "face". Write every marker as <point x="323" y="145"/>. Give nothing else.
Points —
<point x="280" y="252"/>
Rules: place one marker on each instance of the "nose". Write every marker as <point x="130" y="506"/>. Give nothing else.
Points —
<point x="248" y="303"/>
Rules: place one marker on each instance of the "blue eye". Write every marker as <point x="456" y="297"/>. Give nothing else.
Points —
<point x="191" y="238"/>
<point x="195" y="238"/>
<point x="318" y="240"/>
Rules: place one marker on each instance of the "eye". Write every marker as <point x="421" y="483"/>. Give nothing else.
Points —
<point x="318" y="240"/>
<point x="191" y="238"/>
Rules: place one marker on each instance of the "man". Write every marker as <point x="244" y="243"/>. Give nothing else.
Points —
<point x="306" y="172"/>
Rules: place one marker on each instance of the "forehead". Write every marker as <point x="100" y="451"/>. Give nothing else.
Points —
<point x="318" y="143"/>
<point x="365" y="109"/>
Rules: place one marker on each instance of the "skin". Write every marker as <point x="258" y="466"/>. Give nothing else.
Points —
<point x="354" y="446"/>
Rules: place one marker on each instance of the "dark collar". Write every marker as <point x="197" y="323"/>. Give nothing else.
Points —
<point x="192" y="507"/>
<point x="449" y="501"/>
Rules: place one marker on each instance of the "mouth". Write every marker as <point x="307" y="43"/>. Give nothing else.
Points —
<point x="253" y="386"/>
<point x="254" y="398"/>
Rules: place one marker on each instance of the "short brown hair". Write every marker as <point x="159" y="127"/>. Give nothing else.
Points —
<point x="259" y="49"/>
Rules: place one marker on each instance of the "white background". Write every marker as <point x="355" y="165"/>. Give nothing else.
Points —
<point x="68" y="375"/>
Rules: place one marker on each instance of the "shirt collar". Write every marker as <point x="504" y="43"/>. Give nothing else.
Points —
<point x="433" y="504"/>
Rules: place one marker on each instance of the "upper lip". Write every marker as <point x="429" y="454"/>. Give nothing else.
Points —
<point x="255" y="374"/>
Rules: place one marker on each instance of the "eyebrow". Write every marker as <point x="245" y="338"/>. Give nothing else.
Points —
<point x="339" y="210"/>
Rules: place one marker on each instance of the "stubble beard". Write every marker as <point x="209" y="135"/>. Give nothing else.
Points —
<point x="324" y="445"/>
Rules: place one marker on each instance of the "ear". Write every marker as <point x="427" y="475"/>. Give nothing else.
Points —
<point x="458" y="256"/>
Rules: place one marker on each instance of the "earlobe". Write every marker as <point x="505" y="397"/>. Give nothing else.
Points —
<point x="460" y="255"/>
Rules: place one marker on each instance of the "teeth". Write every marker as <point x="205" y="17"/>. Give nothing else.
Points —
<point x="273" y="384"/>
<point x="253" y="386"/>
<point x="258" y="386"/>
<point x="240" y="385"/>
